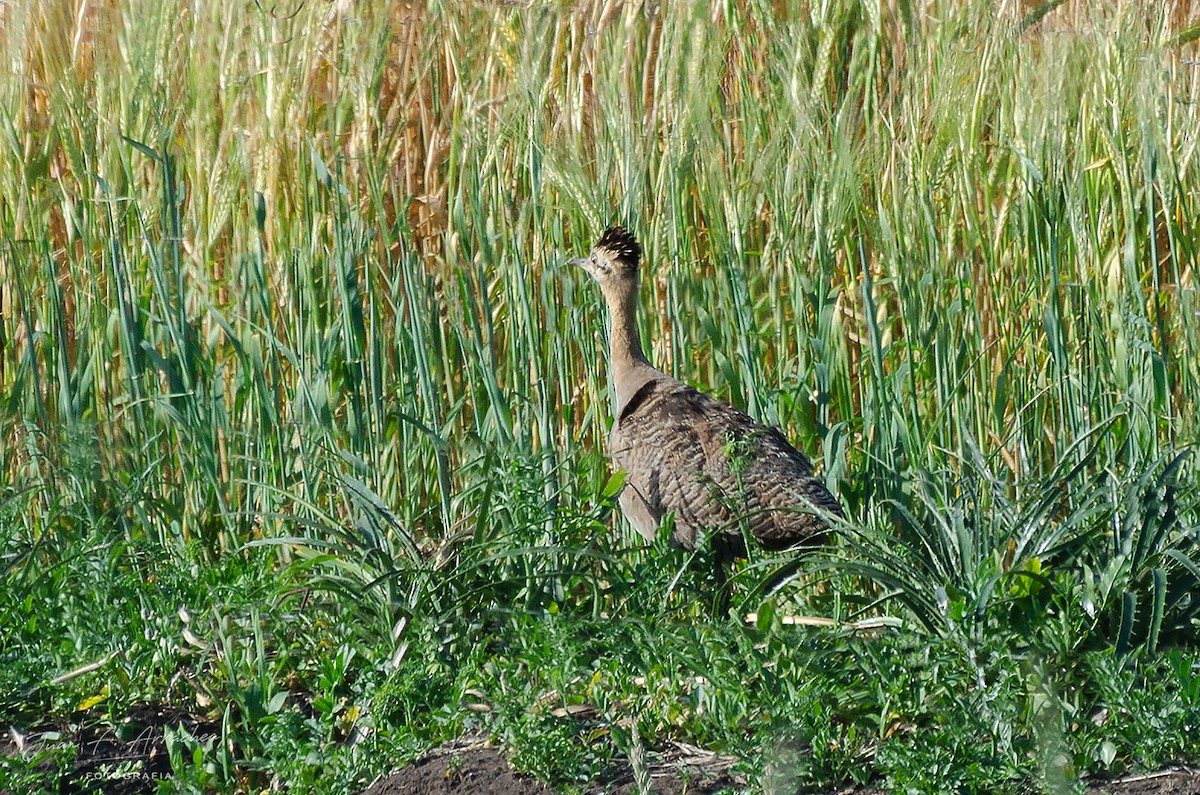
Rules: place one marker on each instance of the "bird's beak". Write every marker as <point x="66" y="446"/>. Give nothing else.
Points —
<point x="577" y="261"/>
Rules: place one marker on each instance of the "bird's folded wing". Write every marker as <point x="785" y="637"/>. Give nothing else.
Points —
<point x="717" y="468"/>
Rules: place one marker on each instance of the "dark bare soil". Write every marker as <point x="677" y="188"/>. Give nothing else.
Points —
<point x="473" y="768"/>
<point x="1166" y="782"/>
<point x="122" y="759"/>
<point x="467" y="770"/>
<point x="127" y="759"/>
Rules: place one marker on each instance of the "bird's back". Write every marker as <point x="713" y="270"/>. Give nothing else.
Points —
<point x="717" y="469"/>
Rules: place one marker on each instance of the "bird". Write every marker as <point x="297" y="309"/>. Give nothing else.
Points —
<point x="722" y="474"/>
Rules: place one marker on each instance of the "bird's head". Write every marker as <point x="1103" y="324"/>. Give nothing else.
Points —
<point x="614" y="259"/>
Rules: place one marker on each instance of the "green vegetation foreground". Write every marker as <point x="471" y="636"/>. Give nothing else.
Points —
<point x="301" y="410"/>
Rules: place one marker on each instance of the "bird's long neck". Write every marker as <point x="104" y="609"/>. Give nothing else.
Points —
<point x="630" y="368"/>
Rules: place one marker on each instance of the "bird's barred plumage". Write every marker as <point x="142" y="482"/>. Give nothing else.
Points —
<point x="719" y="471"/>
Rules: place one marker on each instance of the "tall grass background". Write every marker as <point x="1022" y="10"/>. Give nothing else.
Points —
<point x="289" y="280"/>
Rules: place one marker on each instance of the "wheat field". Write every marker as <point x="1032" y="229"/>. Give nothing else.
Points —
<point x="283" y="295"/>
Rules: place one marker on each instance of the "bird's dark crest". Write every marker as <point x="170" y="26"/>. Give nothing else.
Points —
<point x="621" y="245"/>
